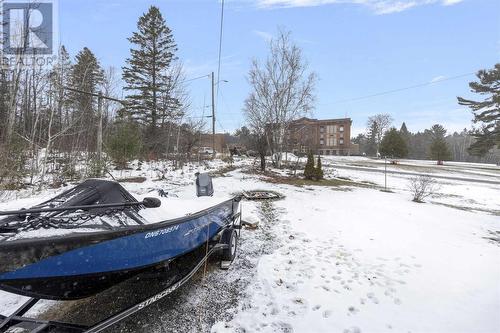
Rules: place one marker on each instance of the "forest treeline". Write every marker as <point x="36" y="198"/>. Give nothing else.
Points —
<point x="427" y="144"/>
<point x="52" y="120"/>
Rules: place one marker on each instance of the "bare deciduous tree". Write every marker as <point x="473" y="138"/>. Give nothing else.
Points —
<point x="422" y="187"/>
<point x="282" y="91"/>
<point x="380" y="123"/>
<point x="258" y="120"/>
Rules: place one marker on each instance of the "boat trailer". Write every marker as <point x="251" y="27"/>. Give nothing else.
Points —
<point x="18" y="323"/>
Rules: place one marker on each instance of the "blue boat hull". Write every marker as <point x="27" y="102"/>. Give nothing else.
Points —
<point x="77" y="266"/>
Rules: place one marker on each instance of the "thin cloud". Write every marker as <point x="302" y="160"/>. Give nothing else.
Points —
<point x="438" y="78"/>
<point x="266" y="36"/>
<point x="379" y="7"/>
<point x="451" y="2"/>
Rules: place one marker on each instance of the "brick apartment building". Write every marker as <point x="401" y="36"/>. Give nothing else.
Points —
<point x="324" y="137"/>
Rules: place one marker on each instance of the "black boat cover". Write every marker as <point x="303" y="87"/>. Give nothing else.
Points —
<point x="89" y="192"/>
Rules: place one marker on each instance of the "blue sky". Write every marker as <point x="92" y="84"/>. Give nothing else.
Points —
<point x="357" y="48"/>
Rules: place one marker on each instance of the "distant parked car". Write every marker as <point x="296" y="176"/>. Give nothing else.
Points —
<point x="206" y="151"/>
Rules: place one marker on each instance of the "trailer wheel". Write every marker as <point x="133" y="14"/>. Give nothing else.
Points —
<point x="229" y="237"/>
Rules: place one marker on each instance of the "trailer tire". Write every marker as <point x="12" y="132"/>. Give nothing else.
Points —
<point x="229" y="237"/>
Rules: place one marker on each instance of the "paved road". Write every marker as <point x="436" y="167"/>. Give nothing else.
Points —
<point x="409" y="173"/>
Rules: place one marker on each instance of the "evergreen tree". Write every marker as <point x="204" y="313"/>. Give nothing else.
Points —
<point x="318" y="171"/>
<point x="393" y="144"/>
<point x="362" y="141"/>
<point x="439" y="149"/>
<point x="418" y="147"/>
<point x="372" y="146"/>
<point x="405" y="133"/>
<point x="59" y="79"/>
<point x="486" y="112"/>
<point x="124" y="144"/>
<point x="437" y="131"/>
<point x="146" y="71"/>
<point x="86" y="75"/>
<point x="309" y="171"/>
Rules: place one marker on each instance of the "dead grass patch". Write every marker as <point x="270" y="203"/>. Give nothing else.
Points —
<point x="137" y="180"/>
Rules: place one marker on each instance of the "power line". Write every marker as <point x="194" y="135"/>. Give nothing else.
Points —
<point x="220" y="125"/>
<point x="402" y="89"/>
<point x="220" y="47"/>
<point x="195" y="78"/>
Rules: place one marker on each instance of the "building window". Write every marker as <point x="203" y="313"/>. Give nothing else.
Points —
<point x="322" y="129"/>
<point x="327" y="152"/>
<point x="342" y="128"/>
<point x="341" y="141"/>
<point x="321" y="141"/>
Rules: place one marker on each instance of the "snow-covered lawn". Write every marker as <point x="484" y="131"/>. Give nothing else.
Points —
<point x="350" y="259"/>
<point x="368" y="261"/>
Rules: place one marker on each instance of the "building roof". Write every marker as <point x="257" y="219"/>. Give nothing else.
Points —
<point x="321" y="120"/>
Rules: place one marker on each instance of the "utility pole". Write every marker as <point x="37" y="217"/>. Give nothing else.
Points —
<point x="385" y="164"/>
<point x="213" y="116"/>
<point x="99" y="128"/>
<point x="100" y="97"/>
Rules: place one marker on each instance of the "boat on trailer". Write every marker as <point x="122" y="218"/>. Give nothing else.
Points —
<point x="96" y="235"/>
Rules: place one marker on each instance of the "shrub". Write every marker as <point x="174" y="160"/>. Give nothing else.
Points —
<point x="319" y="170"/>
<point x="309" y="171"/>
<point x="13" y="160"/>
<point x="124" y="144"/>
<point x="95" y="168"/>
<point x="421" y="187"/>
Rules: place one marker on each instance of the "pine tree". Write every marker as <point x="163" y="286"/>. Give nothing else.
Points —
<point x="59" y="79"/>
<point x="86" y="75"/>
<point x="309" y="171"/>
<point x="124" y="143"/>
<point x="146" y="71"/>
<point x="393" y="144"/>
<point x="405" y="133"/>
<point x="318" y="170"/>
<point x="372" y="146"/>
<point x="439" y="149"/>
<point x="486" y="112"/>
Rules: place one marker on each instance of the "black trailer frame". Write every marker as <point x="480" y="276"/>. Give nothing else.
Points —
<point x="33" y="325"/>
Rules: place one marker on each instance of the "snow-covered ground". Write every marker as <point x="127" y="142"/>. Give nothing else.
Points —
<point x="451" y="169"/>
<point x="351" y="259"/>
<point x="369" y="261"/>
